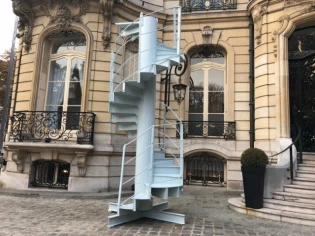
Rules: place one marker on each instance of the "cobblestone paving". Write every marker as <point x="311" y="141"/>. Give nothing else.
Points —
<point x="206" y="210"/>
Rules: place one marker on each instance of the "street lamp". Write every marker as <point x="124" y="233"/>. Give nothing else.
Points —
<point x="179" y="91"/>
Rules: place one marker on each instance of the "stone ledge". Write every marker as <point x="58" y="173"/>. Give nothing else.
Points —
<point x="64" y="194"/>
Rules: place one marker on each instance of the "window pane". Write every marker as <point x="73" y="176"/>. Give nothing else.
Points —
<point x="196" y="102"/>
<point x="216" y="117"/>
<point x="198" y="78"/>
<point x="195" y="125"/>
<point x="55" y="93"/>
<point x="73" y="117"/>
<point x="75" y="87"/>
<point x="58" y="70"/>
<point x="216" y="80"/>
<point x="69" y="43"/>
<point x="216" y="102"/>
<point x="216" y="127"/>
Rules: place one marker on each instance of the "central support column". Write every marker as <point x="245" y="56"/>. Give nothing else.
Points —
<point x="146" y="116"/>
<point x="146" y="110"/>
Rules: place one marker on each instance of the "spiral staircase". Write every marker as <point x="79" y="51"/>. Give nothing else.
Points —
<point x="159" y="156"/>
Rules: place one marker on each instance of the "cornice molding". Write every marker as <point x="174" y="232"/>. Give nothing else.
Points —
<point x="64" y="15"/>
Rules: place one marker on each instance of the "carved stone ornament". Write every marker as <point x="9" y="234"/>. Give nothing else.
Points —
<point x="64" y="16"/>
<point x="26" y="21"/>
<point x="283" y="21"/>
<point x="290" y="2"/>
<point x="19" y="159"/>
<point x="207" y="33"/>
<point x="107" y="10"/>
<point x="81" y="163"/>
<point x="258" y="14"/>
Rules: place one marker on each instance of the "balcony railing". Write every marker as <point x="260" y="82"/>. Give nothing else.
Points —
<point x="206" y="5"/>
<point x="209" y="129"/>
<point x="46" y="126"/>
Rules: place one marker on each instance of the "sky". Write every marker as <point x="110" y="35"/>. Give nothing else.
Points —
<point x="7" y="19"/>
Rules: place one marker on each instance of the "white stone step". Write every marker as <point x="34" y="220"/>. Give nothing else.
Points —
<point x="304" y="181"/>
<point x="305" y="174"/>
<point x="295" y="197"/>
<point x="303" y="208"/>
<point x="291" y="188"/>
<point x="272" y="214"/>
<point x="307" y="167"/>
<point x="308" y="158"/>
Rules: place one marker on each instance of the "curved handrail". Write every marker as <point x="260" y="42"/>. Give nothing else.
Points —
<point x="293" y="143"/>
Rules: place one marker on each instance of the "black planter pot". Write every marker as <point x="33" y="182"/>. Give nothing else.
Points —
<point x="253" y="179"/>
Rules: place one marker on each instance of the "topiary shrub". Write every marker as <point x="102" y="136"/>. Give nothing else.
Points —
<point x="254" y="157"/>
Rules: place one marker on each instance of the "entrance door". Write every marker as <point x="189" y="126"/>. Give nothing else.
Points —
<point x="302" y="86"/>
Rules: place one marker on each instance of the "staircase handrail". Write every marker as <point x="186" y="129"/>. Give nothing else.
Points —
<point x="121" y="183"/>
<point x="176" y="25"/>
<point x="291" y="154"/>
<point x="132" y="74"/>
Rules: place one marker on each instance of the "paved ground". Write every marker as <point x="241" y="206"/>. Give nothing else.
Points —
<point x="206" y="210"/>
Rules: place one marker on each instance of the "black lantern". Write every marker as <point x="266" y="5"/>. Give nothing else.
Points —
<point x="179" y="91"/>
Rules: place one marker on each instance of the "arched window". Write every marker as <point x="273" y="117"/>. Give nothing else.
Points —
<point x="206" y="96"/>
<point x="66" y="71"/>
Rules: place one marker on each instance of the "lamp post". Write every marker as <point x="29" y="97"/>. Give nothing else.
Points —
<point x="7" y="96"/>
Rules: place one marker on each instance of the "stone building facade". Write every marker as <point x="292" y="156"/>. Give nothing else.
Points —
<point x="63" y="66"/>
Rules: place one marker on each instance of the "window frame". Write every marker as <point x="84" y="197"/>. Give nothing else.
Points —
<point x="68" y="55"/>
<point x="206" y="66"/>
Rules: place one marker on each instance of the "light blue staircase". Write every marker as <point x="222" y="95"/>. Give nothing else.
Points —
<point x="159" y="156"/>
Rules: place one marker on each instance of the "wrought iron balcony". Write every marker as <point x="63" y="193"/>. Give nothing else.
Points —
<point x="46" y="126"/>
<point x="206" y="5"/>
<point x="209" y="129"/>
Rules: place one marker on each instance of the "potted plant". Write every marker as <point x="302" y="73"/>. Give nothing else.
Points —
<point x="254" y="163"/>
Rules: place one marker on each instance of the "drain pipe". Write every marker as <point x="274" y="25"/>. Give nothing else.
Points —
<point x="251" y="83"/>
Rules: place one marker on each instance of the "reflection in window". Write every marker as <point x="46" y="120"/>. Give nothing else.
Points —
<point x="206" y="97"/>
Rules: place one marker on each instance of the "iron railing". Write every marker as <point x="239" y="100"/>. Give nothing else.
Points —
<point x="206" y="5"/>
<point x="47" y="126"/>
<point x="51" y="174"/>
<point x="204" y="168"/>
<point x="211" y="129"/>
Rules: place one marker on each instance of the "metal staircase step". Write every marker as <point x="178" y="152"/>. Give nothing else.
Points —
<point x="124" y="118"/>
<point x="132" y="133"/>
<point x="163" y="180"/>
<point x="128" y="126"/>
<point x="123" y="98"/>
<point x="127" y="206"/>
<point x="132" y="90"/>
<point x="166" y="169"/>
<point x="120" y="108"/>
<point x="129" y="28"/>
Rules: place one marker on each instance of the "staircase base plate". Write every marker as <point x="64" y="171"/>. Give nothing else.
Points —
<point x="157" y="213"/>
